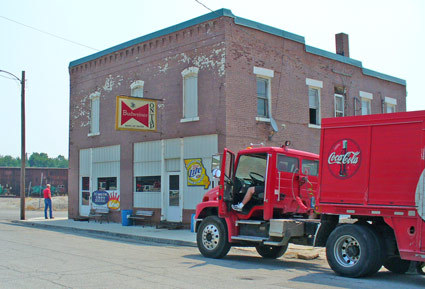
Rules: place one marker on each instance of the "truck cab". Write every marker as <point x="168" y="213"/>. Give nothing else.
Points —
<point x="289" y="178"/>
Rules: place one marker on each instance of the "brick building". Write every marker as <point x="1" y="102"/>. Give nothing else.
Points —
<point x="215" y="81"/>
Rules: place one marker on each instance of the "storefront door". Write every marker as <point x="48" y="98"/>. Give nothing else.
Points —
<point x="85" y="200"/>
<point x="174" y="203"/>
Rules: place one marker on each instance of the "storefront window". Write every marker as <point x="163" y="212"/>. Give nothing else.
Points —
<point x="85" y="198"/>
<point x="148" y="184"/>
<point x="85" y="183"/>
<point x="85" y="194"/>
<point x="107" y="184"/>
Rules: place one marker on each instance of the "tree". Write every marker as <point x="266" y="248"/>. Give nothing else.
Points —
<point x="38" y="160"/>
<point x="9" y="161"/>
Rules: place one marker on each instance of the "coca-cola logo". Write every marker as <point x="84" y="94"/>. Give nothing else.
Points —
<point x="344" y="158"/>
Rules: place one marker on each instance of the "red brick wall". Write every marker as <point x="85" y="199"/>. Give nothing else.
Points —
<point x="291" y="64"/>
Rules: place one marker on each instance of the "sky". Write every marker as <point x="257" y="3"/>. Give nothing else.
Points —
<point x="385" y="35"/>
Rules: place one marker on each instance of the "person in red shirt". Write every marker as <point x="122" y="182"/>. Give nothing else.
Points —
<point x="47" y="201"/>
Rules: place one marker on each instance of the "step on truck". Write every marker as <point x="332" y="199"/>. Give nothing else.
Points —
<point x="363" y="198"/>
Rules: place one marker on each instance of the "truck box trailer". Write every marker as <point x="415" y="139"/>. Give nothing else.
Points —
<point x="372" y="169"/>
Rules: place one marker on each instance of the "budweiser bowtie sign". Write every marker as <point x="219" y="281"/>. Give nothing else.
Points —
<point x="344" y="158"/>
<point x="135" y="114"/>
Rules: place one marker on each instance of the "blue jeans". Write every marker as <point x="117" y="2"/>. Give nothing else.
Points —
<point x="47" y="204"/>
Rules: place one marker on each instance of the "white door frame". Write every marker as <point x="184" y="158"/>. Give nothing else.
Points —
<point x="174" y="213"/>
<point x="84" y="210"/>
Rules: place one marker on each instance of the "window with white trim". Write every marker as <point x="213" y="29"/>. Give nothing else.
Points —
<point x="314" y="87"/>
<point x="263" y="97"/>
<point x="94" y="113"/>
<point x="314" y="105"/>
<point x="390" y="104"/>
<point x="137" y="88"/>
<point x="366" y="100"/>
<point x="339" y="105"/>
<point x="366" y="106"/>
<point x="390" y="108"/>
<point x="190" y="94"/>
<point x="264" y="94"/>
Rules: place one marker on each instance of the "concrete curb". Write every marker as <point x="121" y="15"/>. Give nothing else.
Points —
<point x="106" y="234"/>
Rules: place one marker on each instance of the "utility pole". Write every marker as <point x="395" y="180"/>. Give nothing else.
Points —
<point x="23" y="158"/>
<point x="23" y="155"/>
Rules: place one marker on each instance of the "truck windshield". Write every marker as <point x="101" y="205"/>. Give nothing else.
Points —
<point x="254" y="163"/>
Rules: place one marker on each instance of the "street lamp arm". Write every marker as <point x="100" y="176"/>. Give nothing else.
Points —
<point x="22" y="194"/>
<point x="17" y="78"/>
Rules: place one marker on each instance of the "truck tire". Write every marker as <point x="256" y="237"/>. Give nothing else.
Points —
<point x="354" y="251"/>
<point x="271" y="252"/>
<point x="212" y="238"/>
<point x="397" y="265"/>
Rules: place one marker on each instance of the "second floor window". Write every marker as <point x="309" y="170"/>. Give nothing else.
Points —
<point x="137" y="88"/>
<point x="339" y="105"/>
<point x="94" y="113"/>
<point x="263" y="97"/>
<point x="366" y="106"/>
<point x="190" y="94"/>
<point x="390" y="104"/>
<point x="314" y="105"/>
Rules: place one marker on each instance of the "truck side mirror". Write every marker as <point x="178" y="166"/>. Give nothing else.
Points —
<point x="216" y="173"/>
<point x="216" y="162"/>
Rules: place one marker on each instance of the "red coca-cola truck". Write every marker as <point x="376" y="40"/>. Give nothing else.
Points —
<point x="364" y="200"/>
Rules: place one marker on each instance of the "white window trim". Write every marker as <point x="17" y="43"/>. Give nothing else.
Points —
<point x="190" y="71"/>
<point x="264" y="72"/>
<point x="343" y="103"/>
<point x="391" y="100"/>
<point x="268" y="74"/>
<point x="189" y="119"/>
<point x="318" y="84"/>
<point x="314" y="83"/>
<point x="314" y="126"/>
<point x="137" y="84"/>
<point x="93" y="96"/>
<point x="263" y="119"/>
<point x="367" y="95"/>
<point x="369" y="101"/>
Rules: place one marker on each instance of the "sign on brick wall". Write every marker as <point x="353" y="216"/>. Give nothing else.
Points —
<point x="135" y="113"/>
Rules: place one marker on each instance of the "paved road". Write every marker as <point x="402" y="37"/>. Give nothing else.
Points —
<point x="35" y="258"/>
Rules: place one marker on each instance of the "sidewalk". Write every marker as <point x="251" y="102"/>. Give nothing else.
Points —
<point x="114" y="230"/>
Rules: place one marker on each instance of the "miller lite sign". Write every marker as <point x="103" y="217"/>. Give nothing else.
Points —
<point x="344" y="158"/>
<point x="196" y="173"/>
<point x="135" y="113"/>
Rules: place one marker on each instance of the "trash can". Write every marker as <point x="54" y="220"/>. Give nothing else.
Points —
<point x="124" y="217"/>
<point x="192" y="223"/>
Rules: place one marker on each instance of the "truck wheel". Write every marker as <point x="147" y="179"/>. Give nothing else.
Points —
<point x="271" y="252"/>
<point x="354" y="251"/>
<point x="212" y="238"/>
<point x="397" y="265"/>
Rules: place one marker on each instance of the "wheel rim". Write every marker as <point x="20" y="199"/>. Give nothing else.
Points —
<point x="210" y="237"/>
<point x="347" y="251"/>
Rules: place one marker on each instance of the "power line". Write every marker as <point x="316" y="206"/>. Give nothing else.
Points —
<point x="7" y="77"/>
<point x="48" y="33"/>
